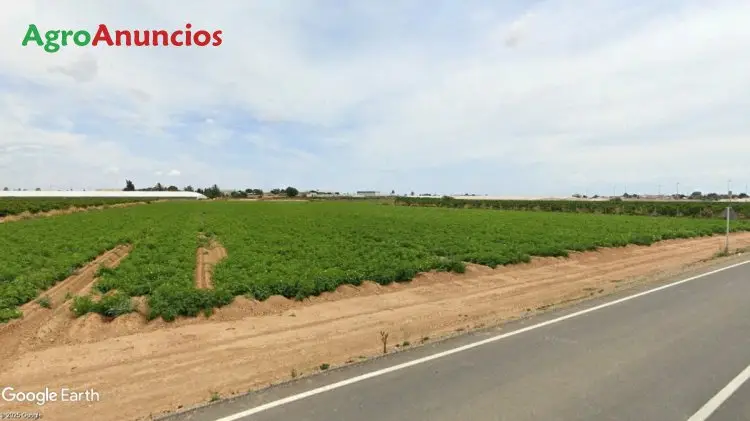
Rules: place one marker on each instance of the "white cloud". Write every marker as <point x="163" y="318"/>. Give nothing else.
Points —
<point x="83" y="69"/>
<point x="517" y="30"/>
<point x="174" y="173"/>
<point x="385" y="95"/>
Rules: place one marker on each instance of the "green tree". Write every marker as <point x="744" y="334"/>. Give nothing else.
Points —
<point x="291" y="192"/>
<point x="188" y="188"/>
<point x="212" y="192"/>
<point x="129" y="186"/>
<point x="254" y="192"/>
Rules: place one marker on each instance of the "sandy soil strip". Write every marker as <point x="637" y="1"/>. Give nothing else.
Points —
<point x="39" y="326"/>
<point x="142" y="368"/>
<point x="28" y="215"/>
<point x="206" y="258"/>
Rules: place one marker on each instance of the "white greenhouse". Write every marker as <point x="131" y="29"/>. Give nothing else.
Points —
<point x="100" y="193"/>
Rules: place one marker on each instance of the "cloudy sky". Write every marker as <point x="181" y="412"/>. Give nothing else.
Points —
<point x="434" y="96"/>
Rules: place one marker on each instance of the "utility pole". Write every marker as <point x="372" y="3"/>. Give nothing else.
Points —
<point x="678" y="189"/>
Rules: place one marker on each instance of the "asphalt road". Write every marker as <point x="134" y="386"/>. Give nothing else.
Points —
<point x="663" y="356"/>
<point x="737" y="407"/>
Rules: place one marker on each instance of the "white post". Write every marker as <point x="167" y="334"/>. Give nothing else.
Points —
<point x="726" y="244"/>
<point x="729" y="211"/>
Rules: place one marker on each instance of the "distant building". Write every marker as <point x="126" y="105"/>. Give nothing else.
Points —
<point x="318" y="194"/>
<point x="653" y="197"/>
<point x="368" y="193"/>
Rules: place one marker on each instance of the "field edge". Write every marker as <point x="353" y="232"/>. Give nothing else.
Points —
<point x="694" y="269"/>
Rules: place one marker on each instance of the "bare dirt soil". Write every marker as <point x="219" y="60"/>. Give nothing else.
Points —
<point x="142" y="368"/>
<point x="72" y="209"/>
<point x="40" y="326"/>
<point x="207" y="258"/>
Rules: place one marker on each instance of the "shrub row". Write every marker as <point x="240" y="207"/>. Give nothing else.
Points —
<point x="614" y="207"/>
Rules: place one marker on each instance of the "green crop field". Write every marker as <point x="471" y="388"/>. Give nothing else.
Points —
<point x="15" y="206"/>
<point x="294" y="249"/>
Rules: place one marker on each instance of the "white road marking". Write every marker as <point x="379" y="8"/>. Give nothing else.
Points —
<point x="714" y="403"/>
<point x="357" y="379"/>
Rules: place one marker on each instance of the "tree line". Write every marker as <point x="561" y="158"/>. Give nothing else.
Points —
<point x="214" y="191"/>
<point x="696" y="195"/>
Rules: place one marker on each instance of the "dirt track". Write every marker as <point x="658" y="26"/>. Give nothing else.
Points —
<point x="142" y="368"/>
<point x="207" y="258"/>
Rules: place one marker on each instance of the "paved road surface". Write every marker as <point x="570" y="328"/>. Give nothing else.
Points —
<point x="659" y="356"/>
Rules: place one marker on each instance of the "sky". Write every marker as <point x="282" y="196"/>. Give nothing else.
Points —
<point x="432" y="96"/>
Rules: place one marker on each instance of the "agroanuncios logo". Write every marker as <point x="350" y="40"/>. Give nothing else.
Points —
<point x="53" y="40"/>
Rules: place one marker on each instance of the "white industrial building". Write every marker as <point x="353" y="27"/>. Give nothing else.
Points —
<point x="104" y="194"/>
<point x="368" y="193"/>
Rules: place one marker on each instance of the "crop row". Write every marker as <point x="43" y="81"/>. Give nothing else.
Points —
<point x="38" y="253"/>
<point x="615" y="207"/>
<point x="16" y="206"/>
<point x="293" y="249"/>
